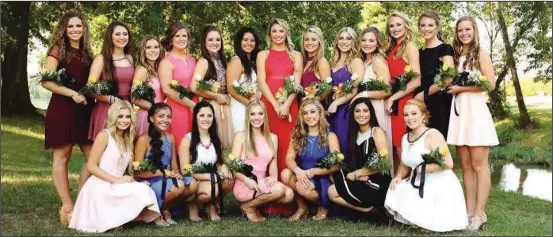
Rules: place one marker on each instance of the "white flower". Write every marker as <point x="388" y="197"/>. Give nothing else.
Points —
<point x="197" y="77"/>
<point x="354" y="76"/>
<point x="328" y="80"/>
<point x="235" y="83"/>
<point x="292" y="77"/>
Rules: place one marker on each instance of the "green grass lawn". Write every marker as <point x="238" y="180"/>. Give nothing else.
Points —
<point x="30" y="203"/>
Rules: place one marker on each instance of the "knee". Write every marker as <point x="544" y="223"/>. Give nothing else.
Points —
<point x="479" y="166"/>
<point x="332" y="194"/>
<point x="203" y="197"/>
<point x="193" y="186"/>
<point x="285" y="175"/>
<point x="288" y="195"/>
<point x="181" y="188"/>
<point x="278" y="190"/>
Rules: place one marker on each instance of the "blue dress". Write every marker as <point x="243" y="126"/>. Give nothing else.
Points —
<point x="339" y="120"/>
<point x="307" y="158"/>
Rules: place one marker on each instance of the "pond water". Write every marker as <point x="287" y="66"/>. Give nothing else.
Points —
<point x="532" y="181"/>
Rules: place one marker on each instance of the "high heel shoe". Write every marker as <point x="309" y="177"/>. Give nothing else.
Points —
<point x="168" y="219"/>
<point x="251" y="213"/>
<point x="319" y="216"/>
<point x="300" y="214"/>
<point x="160" y="222"/>
<point x="477" y="223"/>
<point x="65" y="216"/>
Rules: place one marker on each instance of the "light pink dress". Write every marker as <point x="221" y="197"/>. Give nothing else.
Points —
<point x="260" y="164"/>
<point x="474" y="126"/>
<point x="102" y="205"/>
<point x="142" y="114"/>
<point x="182" y="115"/>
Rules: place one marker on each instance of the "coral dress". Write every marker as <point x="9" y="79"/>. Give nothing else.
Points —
<point x="442" y="207"/>
<point x="182" y="115"/>
<point x="260" y="164"/>
<point x="278" y="66"/>
<point x="473" y="126"/>
<point x="142" y="114"/>
<point x="102" y="205"/>
<point x="123" y="77"/>
<point x="396" y="66"/>
<point x="67" y="122"/>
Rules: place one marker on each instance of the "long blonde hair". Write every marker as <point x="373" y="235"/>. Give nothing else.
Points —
<point x="392" y="42"/>
<point x="142" y="61"/>
<point x="380" y="44"/>
<point x="473" y="52"/>
<point x="320" y="52"/>
<point x="336" y="51"/>
<point x="250" y="140"/>
<point x="299" y="133"/>
<point x="126" y="143"/>
<point x="287" y="42"/>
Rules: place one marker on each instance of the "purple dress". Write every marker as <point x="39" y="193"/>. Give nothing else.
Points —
<point x="339" y="121"/>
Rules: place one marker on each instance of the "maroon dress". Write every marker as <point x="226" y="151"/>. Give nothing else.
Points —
<point x="66" y="122"/>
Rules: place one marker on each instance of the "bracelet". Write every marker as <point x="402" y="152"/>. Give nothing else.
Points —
<point x="110" y="99"/>
<point x="72" y="95"/>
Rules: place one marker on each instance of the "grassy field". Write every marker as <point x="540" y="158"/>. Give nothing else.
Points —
<point x="30" y="204"/>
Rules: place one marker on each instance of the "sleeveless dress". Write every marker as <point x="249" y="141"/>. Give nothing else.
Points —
<point x="102" y="205"/>
<point x="442" y="207"/>
<point x="142" y="114"/>
<point x="360" y="193"/>
<point x="182" y="115"/>
<point x="339" y="120"/>
<point x="67" y="122"/>
<point x="156" y="183"/>
<point x="307" y="158"/>
<point x="439" y="104"/>
<point x="237" y="108"/>
<point x="474" y="126"/>
<point x="223" y="113"/>
<point x="278" y="66"/>
<point x="396" y="66"/>
<point x="308" y="76"/>
<point x="384" y="120"/>
<point x="205" y="156"/>
<point x="260" y="165"/>
<point x="123" y="77"/>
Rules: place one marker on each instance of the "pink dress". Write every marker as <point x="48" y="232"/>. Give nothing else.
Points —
<point x="260" y="164"/>
<point x="123" y="76"/>
<point x="182" y="115"/>
<point x="102" y="205"/>
<point x="142" y="114"/>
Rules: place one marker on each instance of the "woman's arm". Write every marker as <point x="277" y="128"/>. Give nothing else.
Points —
<point x="323" y="68"/>
<point x="356" y="67"/>
<point x="51" y="65"/>
<point x="273" y="167"/>
<point x="141" y="74"/>
<point x="165" y="73"/>
<point x="381" y="143"/>
<point x="262" y="80"/>
<point x="234" y="71"/>
<point x="184" y="158"/>
<point x="237" y="146"/>
<point x="174" y="162"/>
<point x="413" y="61"/>
<point x="380" y="67"/>
<point x="298" y="71"/>
<point x="96" y="71"/>
<point x="140" y="150"/>
<point x="333" y="145"/>
<point x="98" y="148"/>
<point x="436" y="140"/>
<point x="199" y="72"/>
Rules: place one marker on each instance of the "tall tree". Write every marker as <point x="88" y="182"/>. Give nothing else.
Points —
<point x="524" y="119"/>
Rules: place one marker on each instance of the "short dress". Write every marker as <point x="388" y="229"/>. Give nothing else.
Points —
<point x="260" y="165"/>
<point x="360" y="193"/>
<point x="307" y="158"/>
<point x="102" y="205"/>
<point x="142" y="114"/>
<point x="472" y="124"/>
<point x="237" y="108"/>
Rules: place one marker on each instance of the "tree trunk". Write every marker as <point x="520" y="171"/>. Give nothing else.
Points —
<point x="15" y="88"/>
<point x="524" y="119"/>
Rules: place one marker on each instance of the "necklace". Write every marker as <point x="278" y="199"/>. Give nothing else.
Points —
<point x="204" y="145"/>
<point x="416" y="139"/>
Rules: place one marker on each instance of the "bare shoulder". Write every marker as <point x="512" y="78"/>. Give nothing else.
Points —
<point x="239" y="136"/>
<point x="274" y="136"/>
<point x="129" y="57"/>
<point x="483" y="56"/>
<point x="324" y="62"/>
<point x="144" y="138"/>
<point x="379" y="60"/>
<point x="379" y="132"/>
<point x="435" y="135"/>
<point x="412" y="46"/>
<point x="171" y="137"/>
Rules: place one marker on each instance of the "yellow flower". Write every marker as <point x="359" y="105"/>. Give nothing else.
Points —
<point x="445" y="67"/>
<point x="340" y="156"/>
<point x="383" y="153"/>
<point x="136" y="82"/>
<point x="483" y="78"/>
<point x="231" y="157"/>
<point x="380" y="78"/>
<point x="310" y="91"/>
<point x="407" y="68"/>
<point x="443" y="151"/>
<point x="92" y="79"/>
<point x="187" y="167"/>
<point x="135" y="164"/>
<point x="174" y="82"/>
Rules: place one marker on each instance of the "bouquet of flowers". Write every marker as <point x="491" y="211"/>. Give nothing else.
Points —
<point x="436" y="156"/>
<point x="142" y="90"/>
<point x="97" y="87"/>
<point x="345" y="87"/>
<point x="189" y="169"/>
<point x="375" y="85"/>
<point x="446" y="71"/>
<point x="290" y="87"/>
<point x="320" y="88"/>
<point x="471" y="78"/>
<point x="208" y="85"/>
<point x="331" y="159"/>
<point x="183" y="91"/>
<point x="237" y="165"/>
<point x="144" y="165"/>
<point x="406" y="77"/>
<point x="246" y="90"/>
<point x="378" y="161"/>
<point x="59" y="77"/>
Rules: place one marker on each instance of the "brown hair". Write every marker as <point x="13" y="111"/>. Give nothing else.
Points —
<point x="434" y="16"/>
<point x="60" y="41"/>
<point x="142" y="61"/>
<point x="473" y="52"/>
<point x="381" y="43"/>
<point x="248" y="131"/>
<point x="422" y="106"/>
<point x="167" y="40"/>
<point x="108" y="72"/>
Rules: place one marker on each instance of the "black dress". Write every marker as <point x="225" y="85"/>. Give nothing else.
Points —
<point x="360" y="193"/>
<point x="438" y="104"/>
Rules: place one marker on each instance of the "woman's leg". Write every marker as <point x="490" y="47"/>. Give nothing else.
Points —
<point x="289" y="179"/>
<point x="335" y="197"/>
<point x="84" y="175"/>
<point x="479" y="160"/>
<point x="61" y="157"/>
<point x="469" y="178"/>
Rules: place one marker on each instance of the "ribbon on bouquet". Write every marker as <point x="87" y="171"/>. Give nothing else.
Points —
<point x="215" y="178"/>
<point x="395" y="88"/>
<point x="458" y="81"/>
<point x="420" y="187"/>
<point x="164" y="183"/>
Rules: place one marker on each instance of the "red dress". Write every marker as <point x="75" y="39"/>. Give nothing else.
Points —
<point x="396" y="66"/>
<point x="278" y="66"/>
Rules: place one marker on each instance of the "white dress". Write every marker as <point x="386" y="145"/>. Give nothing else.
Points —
<point x="206" y="156"/>
<point x="237" y="108"/>
<point x="442" y="207"/>
<point x="474" y="126"/>
<point x="102" y="205"/>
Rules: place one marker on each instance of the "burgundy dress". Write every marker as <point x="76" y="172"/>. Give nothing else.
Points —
<point x="66" y="122"/>
<point x="123" y="76"/>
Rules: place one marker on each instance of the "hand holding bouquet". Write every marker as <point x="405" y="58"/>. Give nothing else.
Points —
<point x="406" y="77"/>
<point x="237" y="165"/>
<point x="436" y="156"/>
<point x="290" y="87"/>
<point x="189" y="169"/>
<point x="443" y="73"/>
<point x="320" y="88"/>
<point x="472" y="78"/>
<point x="142" y="90"/>
<point x="183" y="91"/>
<point x="208" y="85"/>
<point x="59" y="77"/>
<point x="375" y="85"/>
<point x="144" y="165"/>
<point x="247" y="90"/>
<point x="378" y="161"/>
<point x="98" y="87"/>
<point x="331" y="159"/>
<point x="345" y="87"/>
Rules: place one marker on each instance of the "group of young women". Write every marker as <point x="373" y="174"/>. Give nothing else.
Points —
<point x="282" y="139"/>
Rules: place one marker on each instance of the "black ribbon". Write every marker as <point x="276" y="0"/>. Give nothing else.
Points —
<point x="458" y="81"/>
<point x="164" y="183"/>
<point x="247" y="170"/>
<point x="420" y="187"/>
<point x="395" y="88"/>
<point x="215" y="178"/>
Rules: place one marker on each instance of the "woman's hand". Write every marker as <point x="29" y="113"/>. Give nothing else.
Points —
<point x="351" y="176"/>
<point x="395" y="181"/>
<point x="251" y="184"/>
<point x="124" y="179"/>
<point x="332" y="108"/>
<point x="284" y="112"/>
<point x="171" y="174"/>
<point x="220" y="99"/>
<point x="79" y="99"/>
<point x="420" y="96"/>
<point x="270" y="181"/>
<point x="389" y="104"/>
<point x="454" y="89"/>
